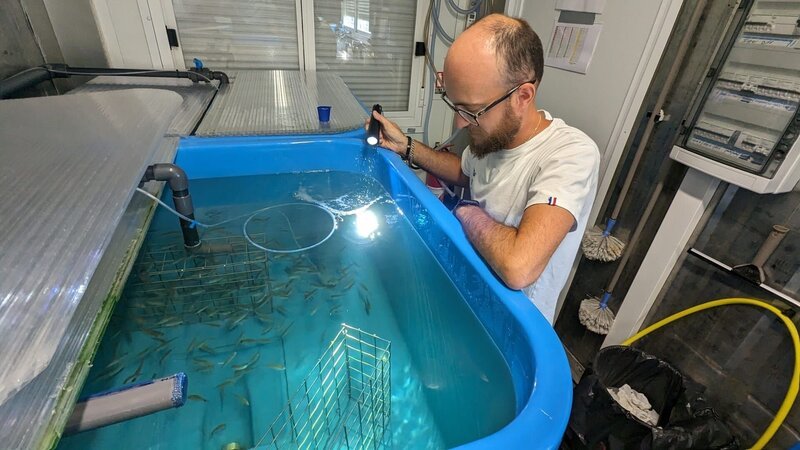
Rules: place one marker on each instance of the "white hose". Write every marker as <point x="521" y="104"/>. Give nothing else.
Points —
<point x="302" y="249"/>
<point x="302" y="195"/>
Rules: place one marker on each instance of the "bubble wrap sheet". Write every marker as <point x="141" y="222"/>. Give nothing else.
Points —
<point x="70" y="166"/>
<point x="281" y="102"/>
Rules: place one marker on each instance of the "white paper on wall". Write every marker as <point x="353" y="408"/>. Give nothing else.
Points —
<point x="572" y="45"/>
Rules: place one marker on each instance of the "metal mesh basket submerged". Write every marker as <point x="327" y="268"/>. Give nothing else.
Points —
<point x="197" y="287"/>
<point x="343" y="403"/>
<point x="229" y="272"/>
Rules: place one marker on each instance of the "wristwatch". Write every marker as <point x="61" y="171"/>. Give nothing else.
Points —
<point x="464" y="202"/>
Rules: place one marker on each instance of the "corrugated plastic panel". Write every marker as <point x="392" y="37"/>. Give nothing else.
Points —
<point x="281" y="102"/>
<point x="70" y="165"/>
<point x="196" y="97"/>
<point x="35" y="416"/>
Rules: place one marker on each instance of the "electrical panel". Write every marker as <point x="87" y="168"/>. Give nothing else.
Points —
<point x="745" y="131"/>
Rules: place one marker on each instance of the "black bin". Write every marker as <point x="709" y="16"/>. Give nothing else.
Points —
<point x="685" y="421"/>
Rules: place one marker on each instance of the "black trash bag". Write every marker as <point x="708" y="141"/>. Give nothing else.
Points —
<point x="685" y="420"/>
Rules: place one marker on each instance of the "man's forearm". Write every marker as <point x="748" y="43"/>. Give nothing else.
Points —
<point x="494" y="241"/>
<point x="444" y="165"/>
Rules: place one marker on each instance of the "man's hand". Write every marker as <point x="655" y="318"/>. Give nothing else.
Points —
<point x="391" y="136"/>
<point x="443" y="165"/>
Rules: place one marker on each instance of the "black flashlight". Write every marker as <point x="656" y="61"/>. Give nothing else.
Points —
<point x="374" y="129"/>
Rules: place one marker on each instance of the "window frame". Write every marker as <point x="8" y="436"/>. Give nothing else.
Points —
<point x="411" y="118"/>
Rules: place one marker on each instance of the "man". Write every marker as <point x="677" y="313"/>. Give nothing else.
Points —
<point x="534" y="177"/>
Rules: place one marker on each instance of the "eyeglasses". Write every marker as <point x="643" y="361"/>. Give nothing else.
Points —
<point x="472" y="117"/>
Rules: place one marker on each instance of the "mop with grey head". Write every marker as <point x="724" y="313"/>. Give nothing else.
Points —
<point x="594" y="313"/>
<point x="599" y="245"/>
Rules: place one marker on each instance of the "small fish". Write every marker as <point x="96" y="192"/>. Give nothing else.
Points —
<point x="244" y="401"/>
<point x="349" y="285"/>
<point x="264" y="320"/>
<point x="153" y="333"/>
<point x="205" y="348"/>
<point x="239" y="374"/>
<point x="198" y="398"/>
<point x="314" y="310"/>
<point x="237" y="321"/>
<point x="161" y="361"/>
<point x="144" y="352"/>
<point x="255" y="341"/>
<point x="212" y="324"/>
<point x="215" y="280"/>
<point x="229" y="359"/>
<point x="310" y="293"/>
<point x="135" y="375"/>
<point x="222" y="385"/>
<point x="219" y="427"/>
<point x="109" y="374"/>
<point x="196" y="292"/>
<point x="202" y="362"/>
<point x="248" y="363"/>
<point x="367" y="305"/>
<point x="276" y="366"/>
<point x="169" y="322"/>
<point x="115" y="362"/>
<point x="192" y="345"/>
<point x="281" y="310"/>
<point x="164" y="344"/>
<point x="199" y="311"/>
<point x="293" y="278"/>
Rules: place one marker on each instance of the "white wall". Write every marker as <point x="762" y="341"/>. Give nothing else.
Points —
<point x="605" y="101"/>
<point x="133" y="43"/>
<point x="77" y="33"/>
<point x="597" y="101"/>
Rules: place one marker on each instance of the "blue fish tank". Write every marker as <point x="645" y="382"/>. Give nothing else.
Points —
<point x="333" y="303"/>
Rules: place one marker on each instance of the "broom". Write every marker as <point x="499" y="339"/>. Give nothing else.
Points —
<point x="594" y="313"/>
<point x="598" y="244"/>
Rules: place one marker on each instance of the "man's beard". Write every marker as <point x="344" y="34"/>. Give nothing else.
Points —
<point x="483" y="143"/>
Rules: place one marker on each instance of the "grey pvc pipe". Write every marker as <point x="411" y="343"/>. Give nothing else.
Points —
<point x="770" y="244"/>
<point x="179" y="183"/>
<point x="127" y="402"/>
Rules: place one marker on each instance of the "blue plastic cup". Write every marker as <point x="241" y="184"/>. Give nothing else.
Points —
<point x="324" y="113"/>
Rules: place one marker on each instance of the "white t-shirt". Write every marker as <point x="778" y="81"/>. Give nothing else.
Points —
<point x="559" y="167"/>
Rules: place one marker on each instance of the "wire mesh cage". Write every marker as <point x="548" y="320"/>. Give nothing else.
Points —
<point x="228" y="273"/>
<point x="225" y="276"/>
<point x="343" y="403"/>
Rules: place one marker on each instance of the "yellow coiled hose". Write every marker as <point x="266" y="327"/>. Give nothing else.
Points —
<point x="791" y="394"/>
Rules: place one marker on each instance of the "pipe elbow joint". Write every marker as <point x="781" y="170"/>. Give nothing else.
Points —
<point x="221" y="76"/>
<point x="174" y="175"/>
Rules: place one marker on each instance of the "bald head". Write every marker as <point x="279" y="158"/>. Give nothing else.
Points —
<point x="501" y="46"/>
